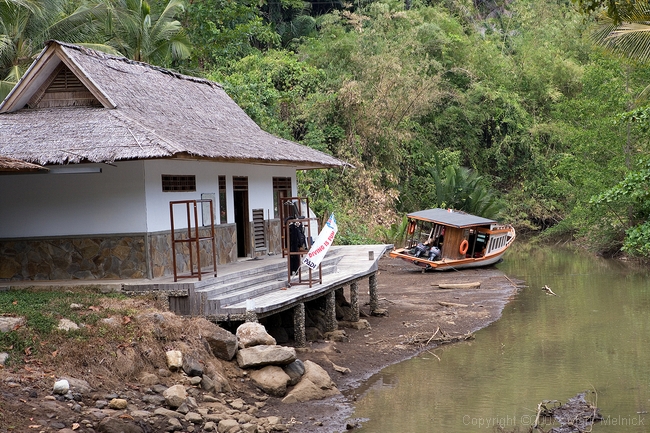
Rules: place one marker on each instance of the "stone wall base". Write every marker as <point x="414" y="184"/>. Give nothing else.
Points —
<point x="121" y="256"/>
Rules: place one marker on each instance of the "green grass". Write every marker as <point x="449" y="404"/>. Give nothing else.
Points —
<point x="42" y="310"/>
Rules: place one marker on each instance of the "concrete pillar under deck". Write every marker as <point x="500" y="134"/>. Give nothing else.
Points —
<point x="330" y="312"/>
<point x="354" y="301"/>
<point x="251" y="316"/>
<point x="374" y="298"/>
<point x="299" y="325"/>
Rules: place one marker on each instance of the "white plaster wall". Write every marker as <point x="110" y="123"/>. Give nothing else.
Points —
<point x="260" y="188"/>
<point x="125" y="198"/>
<point x="37" y="205"/>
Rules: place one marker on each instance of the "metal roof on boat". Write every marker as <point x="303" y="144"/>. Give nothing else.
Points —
<point x="450" y="218"/>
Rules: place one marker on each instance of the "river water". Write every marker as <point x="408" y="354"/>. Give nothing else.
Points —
<point x="594" y="336"/>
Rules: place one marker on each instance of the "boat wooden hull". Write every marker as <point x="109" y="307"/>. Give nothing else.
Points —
<point x="448" y="265"/>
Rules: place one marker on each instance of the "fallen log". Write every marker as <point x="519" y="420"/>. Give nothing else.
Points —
<point x="475" y="285"/>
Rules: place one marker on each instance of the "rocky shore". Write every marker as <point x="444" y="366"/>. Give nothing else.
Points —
<point x="155" y="371"/>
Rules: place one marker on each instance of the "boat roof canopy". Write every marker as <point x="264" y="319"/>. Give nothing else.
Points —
<point x="450" y="217"/>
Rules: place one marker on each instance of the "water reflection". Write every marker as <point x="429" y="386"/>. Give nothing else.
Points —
<point x="593" y="336"/>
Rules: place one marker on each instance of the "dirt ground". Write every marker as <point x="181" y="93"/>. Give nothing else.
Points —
<point x="414" y="302"/>
<point x="417" y="310"/>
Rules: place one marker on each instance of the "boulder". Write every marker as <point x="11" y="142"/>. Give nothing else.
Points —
<point x="316" y="384"/>
<point x="10" y="323"/>
<point x="260" y="356"/>
<point x="295" y="370"/>
<point x="61" y="387"/>
<point x="175" y="396"/>
<point x="252" y="334"/>
<point x="222" y="342"/>
<point x="67" y="325"/>
<point x="78" y="385"/>
<point x="117" y="404"/>
<point x="338" y="335"/>
<point x="271" y="379"/>
<point x="192" y="367"/>
<point x="174" y="359"/>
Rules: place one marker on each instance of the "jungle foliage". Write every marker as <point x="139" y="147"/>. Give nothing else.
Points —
<point x="521" y="110"/>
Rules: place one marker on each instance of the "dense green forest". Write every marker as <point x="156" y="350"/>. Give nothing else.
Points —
<point x="533" y="112"/>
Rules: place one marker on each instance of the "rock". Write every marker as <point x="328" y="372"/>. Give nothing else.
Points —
<point x="209" y="426"/>
<point x="249" y="428"/>
<point x="361" y="324"/>
<point x="295" y="370"/>
<point x="339" y="336"/>
<point x="174" y="359"/>
<point x="316" y="384"/>
<point x="117" y="404"/>
<point x="149" y="379"/>
<point x="67" y="325"/>
<point x="175" y="424"/>
<point x="238" y="404"/>
<point x="78" y="385"/>
<point x="223" y="343"/>
<point x="260" y="356"/>
<point x="192" y="367"/>
<point x="207" y="384"/>
<point x="193" y="417"/>
<point x="271" y="379"/>
<point x="253" y="334"/>
<point x="313" y="334"/>
<point x="167" y="413"/>
<point x="226" y="424"/>
<point x="118" y="425"/>
<point x="113" y="322"/>
<point x="10" y="323"/>
<point x="76" y="306"/>
<point x="61" y="387"/>
<point x="175" y="395"/>
<point x="4" y="356"/>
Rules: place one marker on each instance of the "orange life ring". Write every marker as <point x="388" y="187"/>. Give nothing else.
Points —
<point x="411" y="228"/>
<point x="464" y="246"/>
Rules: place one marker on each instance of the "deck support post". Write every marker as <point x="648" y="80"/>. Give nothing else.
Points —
<point x="299" y="325"/>
<point x="354" y="301"/>
<point x="374" y="298"/>
<point x="330" y="312"/>
<point x="251" y="316"/>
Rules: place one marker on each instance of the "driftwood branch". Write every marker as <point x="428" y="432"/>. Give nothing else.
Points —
<point x="438" y="337"/>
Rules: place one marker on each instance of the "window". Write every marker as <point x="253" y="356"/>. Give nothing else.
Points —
<point x="281" y="188"/>
<point x="178" y="183"/>
<point x="223" y="210"/>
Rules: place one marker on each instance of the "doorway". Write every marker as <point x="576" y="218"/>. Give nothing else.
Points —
<point x="240" y="193"/>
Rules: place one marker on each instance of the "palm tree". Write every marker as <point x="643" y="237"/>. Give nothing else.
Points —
<point x="133" y="30"/>
<point x="627" y="34"/>
<point x="463" y="189"/>
<point x="25" y="25"/>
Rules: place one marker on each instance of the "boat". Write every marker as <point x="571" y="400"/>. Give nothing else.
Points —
<point x="446" y="239"/>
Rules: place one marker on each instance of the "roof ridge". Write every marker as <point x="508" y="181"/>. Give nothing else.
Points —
<point x="107" y="56"/>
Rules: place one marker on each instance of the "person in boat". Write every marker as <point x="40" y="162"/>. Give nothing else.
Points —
<point x="428" y="250"/>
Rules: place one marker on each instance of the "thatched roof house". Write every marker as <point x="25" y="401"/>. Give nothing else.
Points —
<point x="123" y="143"/>
<point x="131" y="110"/>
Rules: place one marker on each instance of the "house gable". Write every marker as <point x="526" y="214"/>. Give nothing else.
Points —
<point x="54" y="80"/>
<point x="63" y="89"/>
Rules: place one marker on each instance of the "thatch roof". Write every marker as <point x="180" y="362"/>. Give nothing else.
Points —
<point x="15" y="165"/>
<point x="140" y="111"/>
